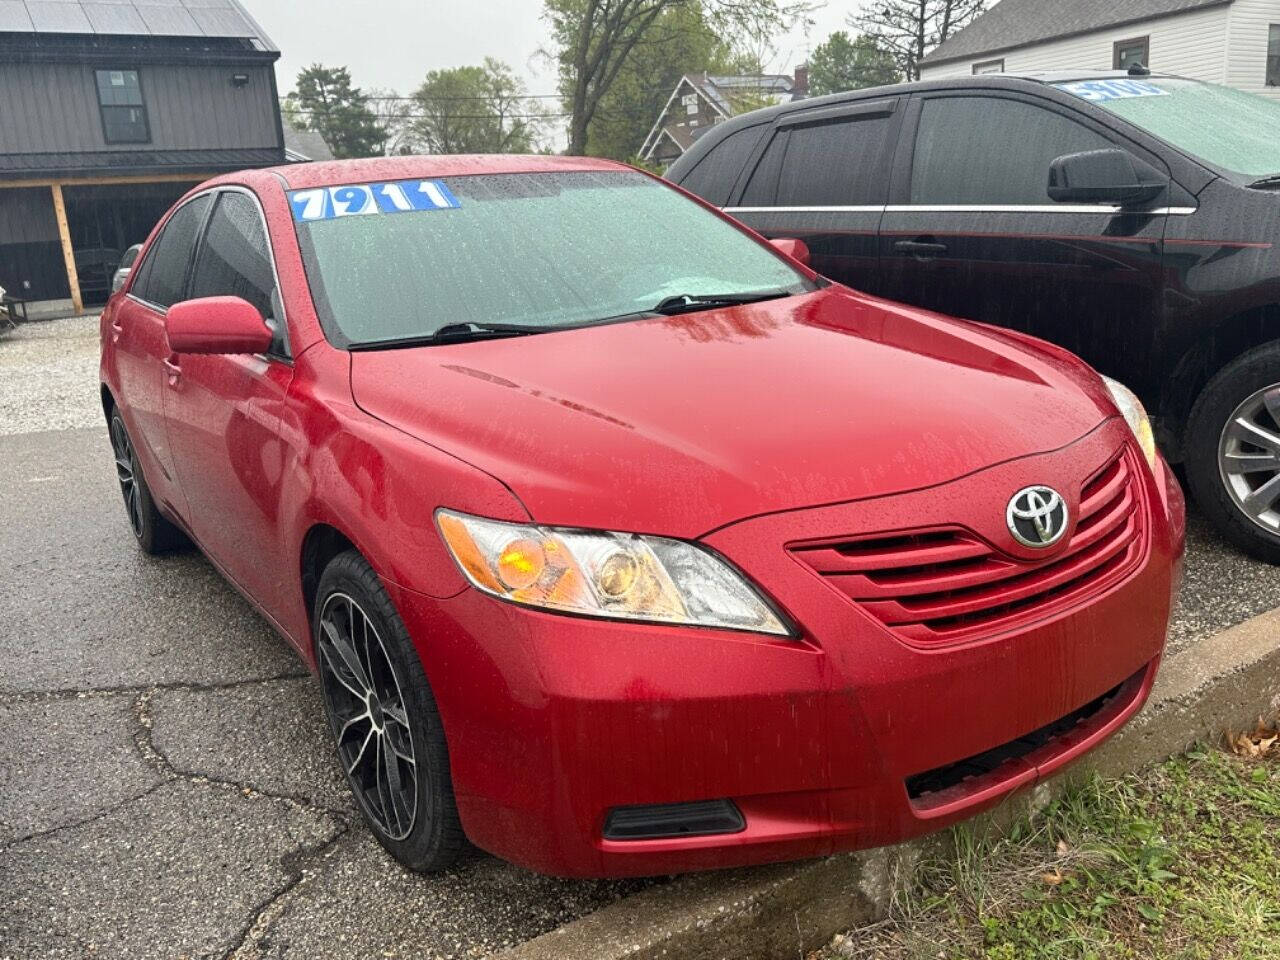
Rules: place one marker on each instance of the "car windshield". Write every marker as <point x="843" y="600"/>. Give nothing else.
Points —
<point x="1235" y="131"/>
<point x="400" y="261"/>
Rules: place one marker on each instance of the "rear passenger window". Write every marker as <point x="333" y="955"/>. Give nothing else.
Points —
<point x="989" y="150"/>
<point x="164" y="273"/>
<point x="830" y="164"/>
<point x="835" y="164"/>
<point x="713" y="177"/>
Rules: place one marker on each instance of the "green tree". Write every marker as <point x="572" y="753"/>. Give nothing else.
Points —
<point x="909" y="29"/>
<point x="840" y="64"/>
<point x="681" y="43"/>
<point x="595" y="39"/>
<point x="324" y="100"/>
<point x="478" y="109"/>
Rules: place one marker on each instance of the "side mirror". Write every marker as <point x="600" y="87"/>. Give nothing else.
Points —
<point x="216" y="325"/>
<point x="1104" y="176"/>
<point x="793" y="248"/>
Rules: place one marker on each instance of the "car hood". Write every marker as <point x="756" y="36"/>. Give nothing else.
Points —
<point x="678" y="425"/>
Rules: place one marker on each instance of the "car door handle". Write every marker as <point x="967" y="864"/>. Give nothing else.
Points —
<point x="921" y="248"/>
<point x="175" y="371"/>
<point x="116" y="329"/>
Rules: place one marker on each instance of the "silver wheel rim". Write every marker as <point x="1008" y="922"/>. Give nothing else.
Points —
<point x="125" y="472"/>
<point x="370" y="722"/>
<point x="1249" y="458"/>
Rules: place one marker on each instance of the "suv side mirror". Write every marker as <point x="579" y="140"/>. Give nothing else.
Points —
<point x="793" y="248"/>
<point x="1104" y="176"/>
<point x="216" y="325"/>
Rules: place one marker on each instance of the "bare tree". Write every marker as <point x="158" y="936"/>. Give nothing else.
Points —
<point x="595" y="38"/>
<point x="394" y="114"/>
<point x="909" y="29"/>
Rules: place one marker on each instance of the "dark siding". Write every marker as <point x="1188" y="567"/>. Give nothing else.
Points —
<point x="53" y="107"/>
<point x="29" y="247"/>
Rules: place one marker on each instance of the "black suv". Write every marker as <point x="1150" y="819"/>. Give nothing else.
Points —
<point x="1130" y="218"/>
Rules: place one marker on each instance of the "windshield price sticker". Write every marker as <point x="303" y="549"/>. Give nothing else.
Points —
<point x="1100" y="90"/>
<point x="403" y="196"/>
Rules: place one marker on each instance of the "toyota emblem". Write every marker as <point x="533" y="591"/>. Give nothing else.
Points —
<point x="1037" y="517"/>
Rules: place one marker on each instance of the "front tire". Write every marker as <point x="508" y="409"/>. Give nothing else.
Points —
<point x="1233" y="452"/>
<point x="154" y="533"/>
<point x="386" y="728"/>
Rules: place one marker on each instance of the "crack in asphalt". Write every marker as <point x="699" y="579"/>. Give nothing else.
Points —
<point x="85" y="821"/>
<point x="166" y="769"/>
<point x="153" y="756"/>
<point x="269" y="911"/>
<point x="83" y="693"/>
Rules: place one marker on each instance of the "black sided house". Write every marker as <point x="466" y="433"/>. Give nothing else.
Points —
<point x="108" y="113"/>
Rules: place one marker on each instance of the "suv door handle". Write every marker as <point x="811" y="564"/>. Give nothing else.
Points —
<point x="921" y="249"/>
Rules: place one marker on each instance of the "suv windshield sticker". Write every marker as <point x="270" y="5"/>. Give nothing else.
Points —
<point x="1099" y="90"/>
<point x="403" y="196"/>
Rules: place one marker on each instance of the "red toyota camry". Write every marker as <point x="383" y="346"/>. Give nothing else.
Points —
<point x="622" y="543"/>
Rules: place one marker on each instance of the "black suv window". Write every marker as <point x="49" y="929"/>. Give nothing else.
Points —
<point x="762" y="188"/>
<point x="235" y="260"/>
<point x="713" y="177"/>
<point x="164" y="273"/>
<point x="991" y="150"/>
<point x="834" y="164"/>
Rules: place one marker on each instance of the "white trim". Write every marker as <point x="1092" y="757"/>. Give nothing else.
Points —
<point x="873" y="209"/>
<point x="974" y="208"/>
<point x="1035" y="208"/>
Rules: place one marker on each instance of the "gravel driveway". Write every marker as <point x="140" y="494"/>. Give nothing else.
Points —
<point x="166" y="782"/>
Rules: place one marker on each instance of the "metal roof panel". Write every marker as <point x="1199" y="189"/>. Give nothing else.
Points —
<point x="114" y="18"/>
<point x="14" y="17"/>
<point x="56" y="17"/>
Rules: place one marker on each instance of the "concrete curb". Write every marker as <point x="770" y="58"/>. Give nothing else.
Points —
<point x="786" y="910"/>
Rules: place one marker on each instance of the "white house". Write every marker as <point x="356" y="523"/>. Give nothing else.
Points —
<point x="699" y="102"/>
<point x="1233" y="42"/>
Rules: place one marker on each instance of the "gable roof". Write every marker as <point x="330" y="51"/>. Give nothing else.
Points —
<point x="303" y="145"/>
<point x="1019" y="23"/>
<point x="719" y="93"/>
<point x="156" y="18"/>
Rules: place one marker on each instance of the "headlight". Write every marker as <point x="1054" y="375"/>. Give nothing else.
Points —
<point x="1132" y="409"/>
<point x="603" y="574"/>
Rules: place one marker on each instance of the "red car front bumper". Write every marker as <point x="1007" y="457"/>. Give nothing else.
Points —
<point x="554" y="721"/>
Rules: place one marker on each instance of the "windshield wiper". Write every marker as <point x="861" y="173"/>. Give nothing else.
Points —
<point x="1270" y="180"/>
<point x="689" y="302"/>
<point x="454" y="333"/>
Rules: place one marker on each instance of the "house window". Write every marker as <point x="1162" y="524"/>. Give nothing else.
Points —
<point x="988" y="66"/>
<point x="1128" y="52"/>
<point x="1273" y="56"/>
<point x="124" y="115"/>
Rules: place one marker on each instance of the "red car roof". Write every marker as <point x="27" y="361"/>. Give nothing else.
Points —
<point x="300" y="176"/>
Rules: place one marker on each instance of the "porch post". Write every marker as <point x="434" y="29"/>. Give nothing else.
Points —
<point x="68" y="254"/>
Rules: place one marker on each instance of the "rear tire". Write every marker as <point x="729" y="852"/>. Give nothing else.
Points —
<point x="154" y="533"/>
<point x="387" y="730"/>
<point x="1233" y="452"/>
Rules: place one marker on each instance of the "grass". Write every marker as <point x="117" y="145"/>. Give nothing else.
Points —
<point x="1182" y="861"/>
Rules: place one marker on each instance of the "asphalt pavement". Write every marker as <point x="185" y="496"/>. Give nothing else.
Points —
<point x="167" y="787"/>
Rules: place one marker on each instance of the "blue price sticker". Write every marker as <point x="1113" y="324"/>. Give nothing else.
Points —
<point x="365" y="199"/>
<point x="1102" y="90"/>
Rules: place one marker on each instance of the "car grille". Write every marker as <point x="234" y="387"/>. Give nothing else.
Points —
<point x="946" y="584"/>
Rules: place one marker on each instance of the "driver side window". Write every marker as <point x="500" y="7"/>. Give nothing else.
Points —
<point x="986" y="151"/>
<point x="235" y="261"/>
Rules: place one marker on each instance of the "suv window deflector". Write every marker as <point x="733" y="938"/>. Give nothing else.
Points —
<point x="856" y="111"/>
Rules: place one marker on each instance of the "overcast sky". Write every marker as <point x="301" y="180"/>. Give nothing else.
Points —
<point x="393" y="43"/>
